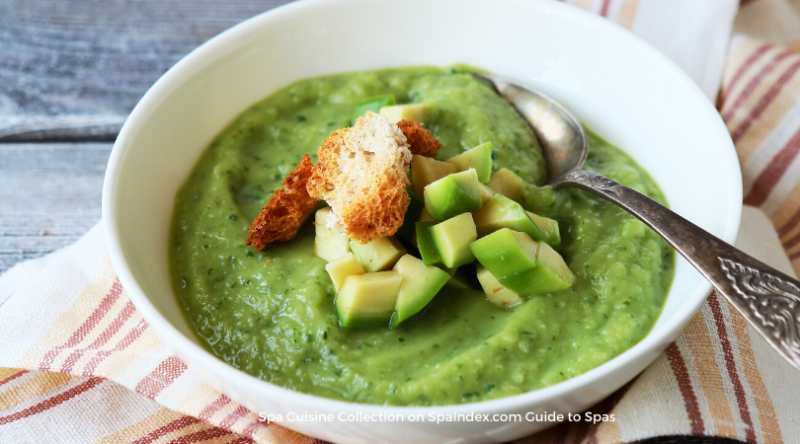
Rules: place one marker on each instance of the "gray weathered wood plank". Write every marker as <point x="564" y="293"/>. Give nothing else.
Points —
<point x="50" y="196"/>
<point x="73" y="70"/>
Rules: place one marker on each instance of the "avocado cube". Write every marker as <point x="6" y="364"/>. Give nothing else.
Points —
<point x="505" y="182"/>
<point x="368" y="300"/>
<point x="342" y="267"/>
<point x="486" y="193"/>
<point x="328" y="244"/>
<point x="425" y="170"/>
<point x="502" y="212"/>
<point x="554" y="273"/>
<point x="420" y="284"/>
<point x="415" y="207"/>
<point x="379" y="254"/>
<point x="495" y="292"/>
<point x="424" y="244"/>
<point x="506" y="252"/>
<point x="479" y="158"/>
<point x="454" y="194"/>
<point x="521" y="264"/>
<point x="549" y="229"/>
<point x="373" y="104"/>
<point x="452" y="239"/>
<point x="415" y="112"/>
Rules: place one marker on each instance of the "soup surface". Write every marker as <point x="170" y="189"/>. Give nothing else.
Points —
<point x="271" y="313"/>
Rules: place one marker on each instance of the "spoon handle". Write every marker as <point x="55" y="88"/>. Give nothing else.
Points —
<point x="768" y="299"/>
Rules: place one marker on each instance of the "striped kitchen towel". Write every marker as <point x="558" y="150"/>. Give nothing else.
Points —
<point x="67" y="330"/>
<point x="760" y="104"/>
<point x="78" y="364"/>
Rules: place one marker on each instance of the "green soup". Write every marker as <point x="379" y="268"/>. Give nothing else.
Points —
<point x="271" y="313"/>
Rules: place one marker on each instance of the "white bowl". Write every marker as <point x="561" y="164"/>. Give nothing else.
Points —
<point x="615" y="83"/>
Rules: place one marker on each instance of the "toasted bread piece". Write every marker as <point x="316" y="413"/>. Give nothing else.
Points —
<point x="289" y="207"/>
<point x="421" y="140"/>
<point x="362" y="173"/>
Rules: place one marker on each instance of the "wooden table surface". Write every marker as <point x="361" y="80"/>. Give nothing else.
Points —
<point x="70" y="72"/>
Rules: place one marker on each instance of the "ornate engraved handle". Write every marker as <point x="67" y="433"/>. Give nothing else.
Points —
<point x="768" y="299"/>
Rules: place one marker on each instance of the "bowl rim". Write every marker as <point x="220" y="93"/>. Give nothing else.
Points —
<point x="210" y="51"/>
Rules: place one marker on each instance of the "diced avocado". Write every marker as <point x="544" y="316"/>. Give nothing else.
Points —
<point x="521" y="264"/>
<point x="424" y="244"/>
<point x="368" y="300"/>
<point x="373" y="104"/>
<point x="454" y="194"/>
<point x="342" y="267"/>
<point x="425" y="170"/>
<point x="495" y="292"/>
<point x="415" y="207"/>
<point x="505" y="182"/>
<point x="452" y="239"/>
<point x="555" y="273"/>
<point x="426" y="217"/>
<point x="506" y="252"/>
<point x="486" y="193"/>
<point x="378" y="255"/>
<point x="549" y="229"/>
<point x="416" y="112"/>
<point x="420" y="284"/>
<point x="479" y="158"/>
<point x="502" y="212"/>
<point x="328" y="244"/>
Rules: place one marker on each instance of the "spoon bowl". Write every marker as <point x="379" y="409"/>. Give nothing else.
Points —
<point x="561" y="135"/>
<point x="768" y="299"/>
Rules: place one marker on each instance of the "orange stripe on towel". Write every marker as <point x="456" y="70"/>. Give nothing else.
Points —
<point x="770" y="427"/>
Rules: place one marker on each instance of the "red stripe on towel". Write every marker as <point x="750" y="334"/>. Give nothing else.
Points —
<point x="161" y="377"/>
<point x="774" y="171"/>
<point x="730" y="364"/>
<point x="52" y="402"/>
<point x="160" y="432"/>
<point x="88" y="325"/>
<point x="681" y="373"/>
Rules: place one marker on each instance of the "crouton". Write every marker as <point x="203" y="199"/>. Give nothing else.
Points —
<point x="284" y="214"/>
<point x="362" y="173"/>
<point x="421" y="140"/>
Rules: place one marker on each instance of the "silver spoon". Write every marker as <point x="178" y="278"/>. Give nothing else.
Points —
<point x="768" y="299"/>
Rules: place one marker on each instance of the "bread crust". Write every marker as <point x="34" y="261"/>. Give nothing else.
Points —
<point x="421" y="140"/>
<point x="365" y="185"/>
<point x="284" y="214"/>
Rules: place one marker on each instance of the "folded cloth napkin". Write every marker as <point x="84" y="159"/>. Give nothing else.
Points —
<point x="78" y="364"/>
